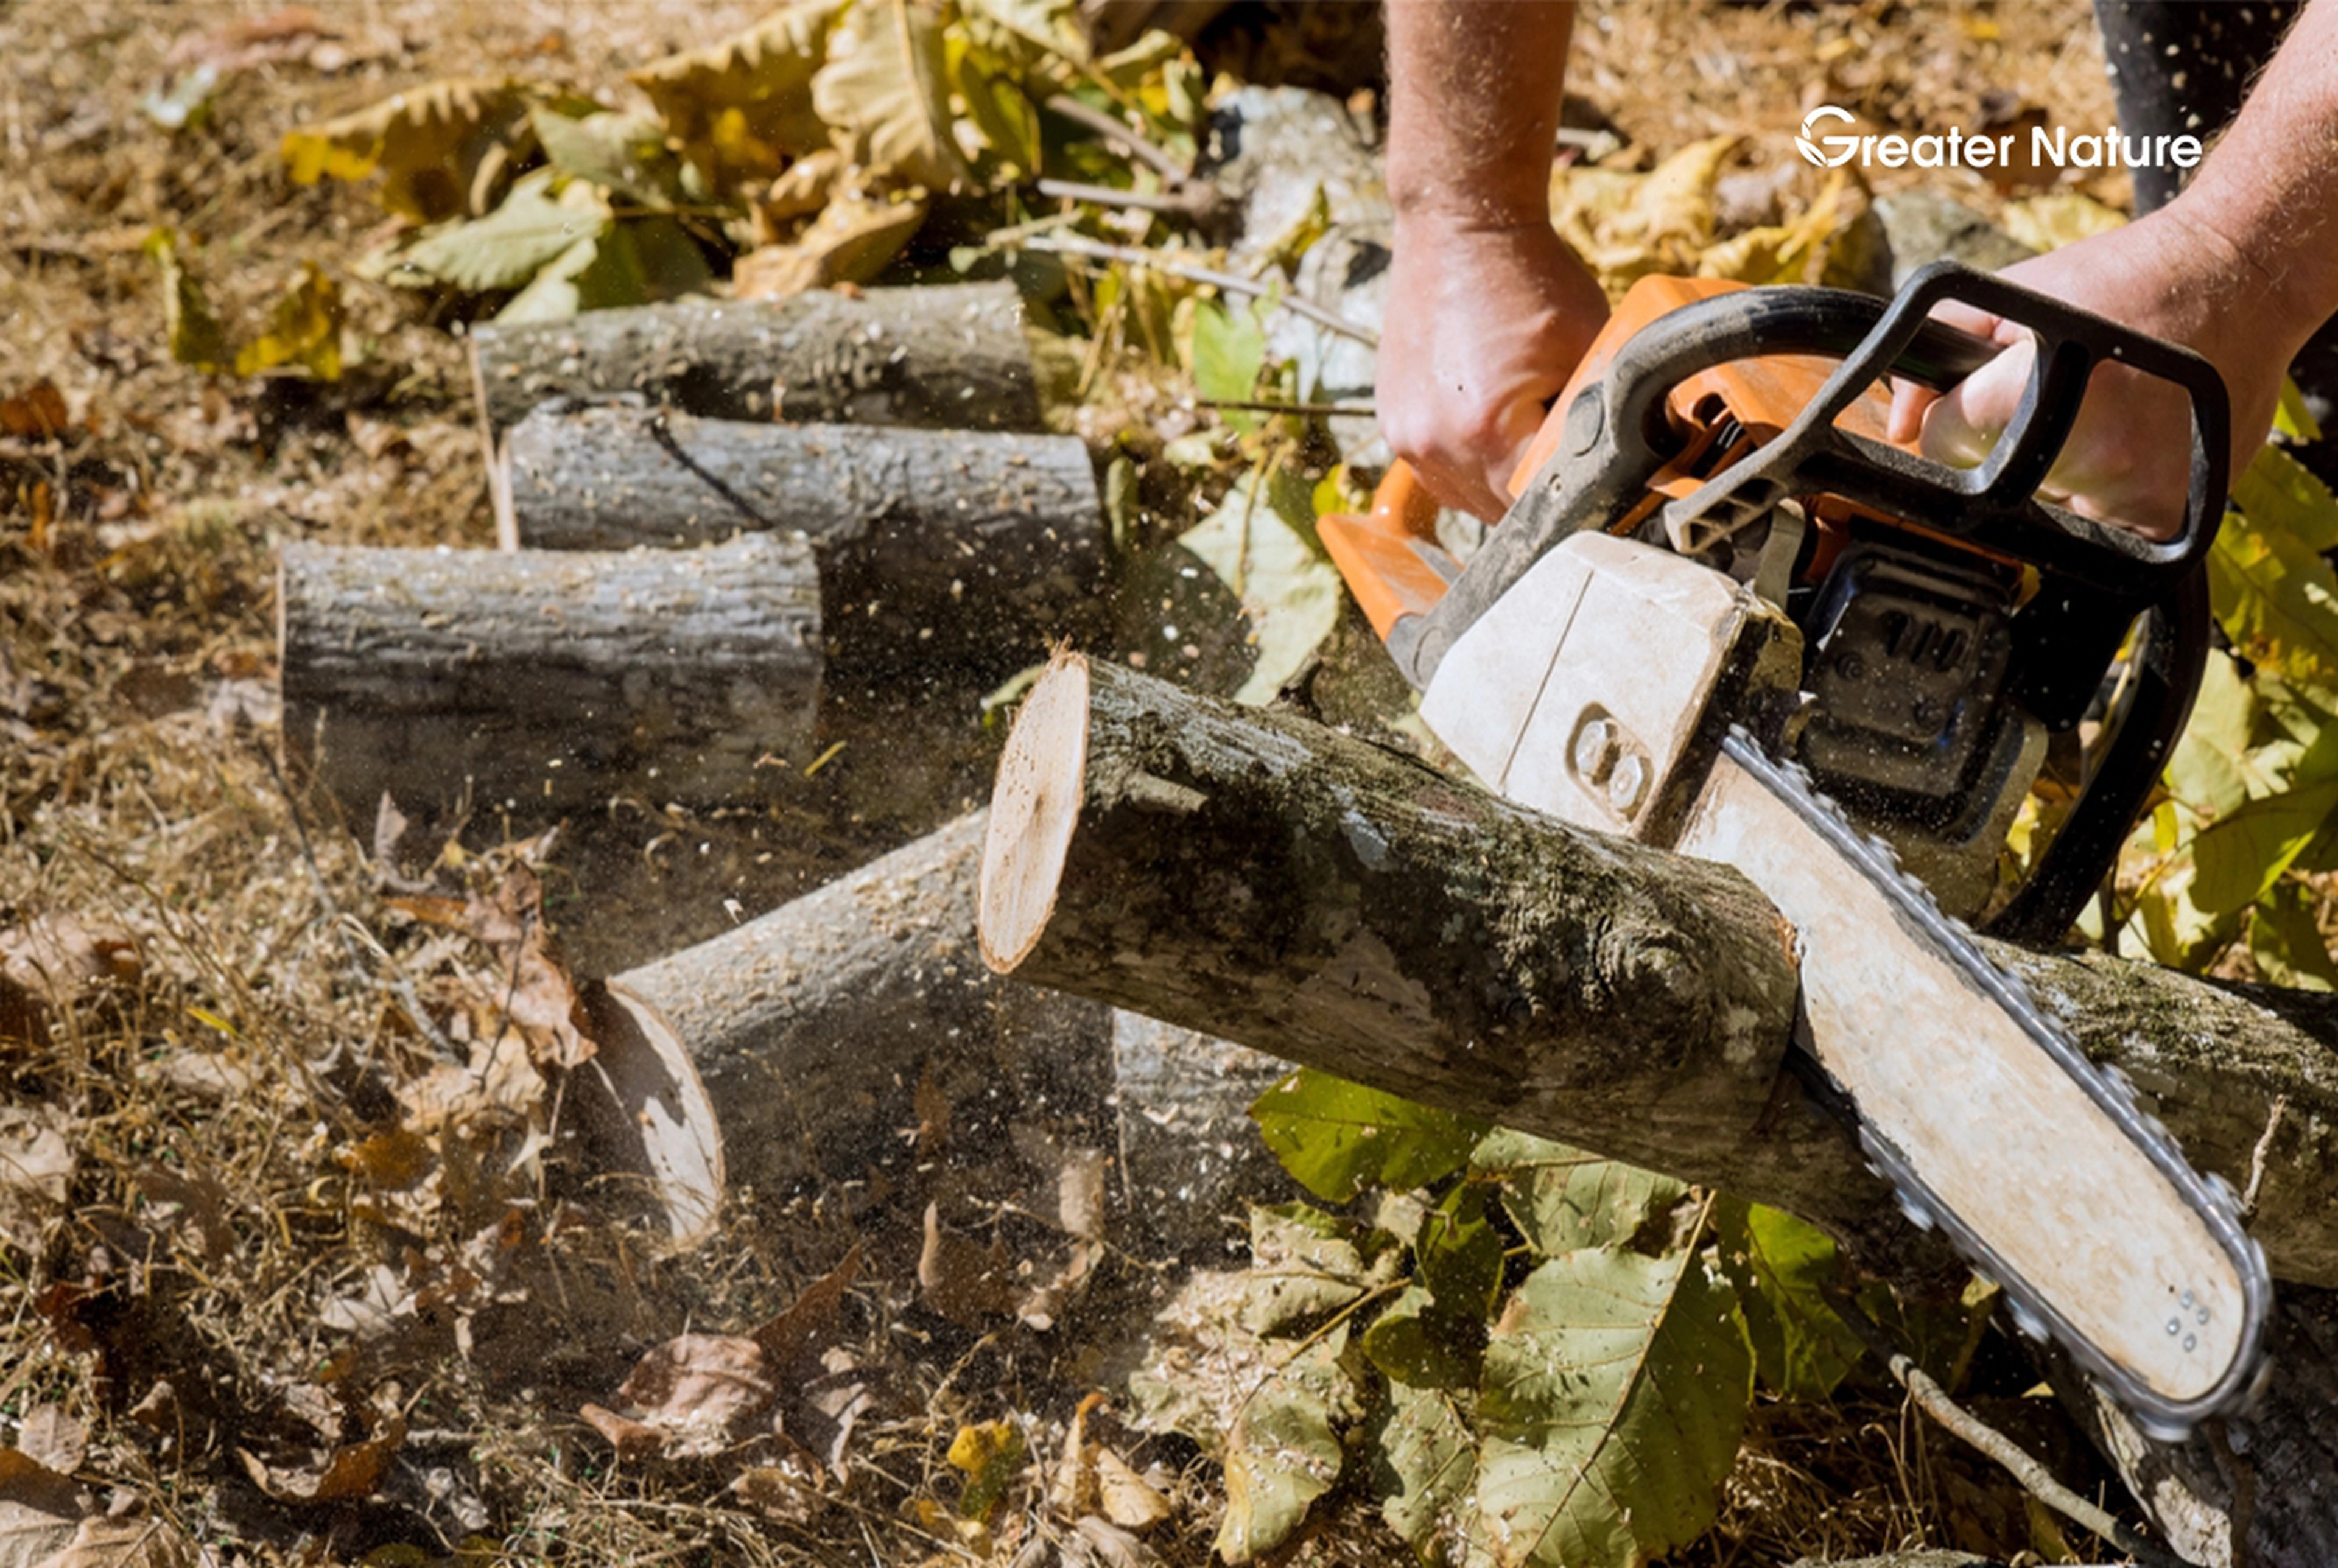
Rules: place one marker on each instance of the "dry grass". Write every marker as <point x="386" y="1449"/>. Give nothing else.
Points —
<point x="202" y="1293"/>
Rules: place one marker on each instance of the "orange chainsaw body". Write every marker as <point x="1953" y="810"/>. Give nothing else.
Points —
<point x="1720" y="413"/>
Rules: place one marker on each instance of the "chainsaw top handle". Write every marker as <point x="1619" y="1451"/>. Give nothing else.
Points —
<point x="1610" y="435"/>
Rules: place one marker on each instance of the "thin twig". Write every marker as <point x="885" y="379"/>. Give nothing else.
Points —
<point x="1104" y="125"/>
<point x="1131" y="255"/>
<point x="1269" y="405"/>
<point x="1196" y="202"/>
<point x="2035" y="1478"/>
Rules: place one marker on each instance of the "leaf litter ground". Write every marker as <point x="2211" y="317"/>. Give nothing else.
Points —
<point x="290" y="1273"/>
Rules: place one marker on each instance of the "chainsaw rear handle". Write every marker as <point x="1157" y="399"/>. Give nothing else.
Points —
<point x="1613" y="436"/>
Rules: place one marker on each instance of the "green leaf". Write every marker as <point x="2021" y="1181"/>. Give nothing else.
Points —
<point x="1425" y="1460"/>
<point x="2240" y="856"/>
<point x="1614" y="1397"/>
<point x="1338" y="1138"/>
<point x="1228" y="355"/>
<point x="188" y="324"/>
<point x="515" y="241"/>
<point x="1417" y="1343"/>
<point x="1283" y="1451"/>
<point x="2278" y="492"/>
<point x="2276" y="599"/>
<point x="885" y="95"/>
<point x="1778" y="1264"/>
<point x="2287" y="943"/>
<point x="625" y="153"/>
<point x="1261" y="542"/>
<point x="1459" y="1253"/>
<point x="2210" y="769"/>
<point x="2292" y="417"/>
<point x="1561" y="1199"/>
<point x="599" y="272"/>
<point x="1305" y="1265"/>
<point x="1001" y="112"/>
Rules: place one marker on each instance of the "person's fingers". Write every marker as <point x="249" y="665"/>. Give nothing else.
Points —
<point x="1962" y="426"/>
<point x="1910" y="400"/>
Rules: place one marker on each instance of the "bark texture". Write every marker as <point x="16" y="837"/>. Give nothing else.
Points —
<point x="811" y="1024"/>
<point x="990" y="540"/>
<point x="1261" y="878"/>
<point x="548" y="680"/>
<point x="2270" y="1476"/>
<point x="952" y="357"/>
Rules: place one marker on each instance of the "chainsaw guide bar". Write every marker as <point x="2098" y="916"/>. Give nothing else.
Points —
<point x="2167" y="1405"/>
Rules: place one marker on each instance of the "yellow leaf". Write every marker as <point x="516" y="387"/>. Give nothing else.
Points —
<point x="428" y="141"/>
<point x="743" y="107"/>
<point x="990" y="1453"/>
<point x="2050" y="222"/>
<point x="851" y="242"/>
<point x="1627" y="226"/>
<point x="192" y="330"/>
<point x="884" y="94"/>
<point x="1780" y="253"/>
<point x="304" y="331"/>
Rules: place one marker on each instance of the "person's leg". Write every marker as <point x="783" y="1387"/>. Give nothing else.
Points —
<point x="2181" y="67"/>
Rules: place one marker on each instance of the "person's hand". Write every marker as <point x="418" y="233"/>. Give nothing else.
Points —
<point x="2129" y="456"/>
<point x="1486" y="323"/>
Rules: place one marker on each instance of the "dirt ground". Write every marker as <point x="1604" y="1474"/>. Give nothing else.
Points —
<point x="194" y="1293"/>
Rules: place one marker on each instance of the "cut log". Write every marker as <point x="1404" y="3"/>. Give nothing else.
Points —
<point x="1190" y="1155"/>
<point x="811" y="1026"/>
<point x="952" y="357"/>
<point x="1261" y="878"/>
<point x="547" y="681"/>
<point x="993" y="541"/>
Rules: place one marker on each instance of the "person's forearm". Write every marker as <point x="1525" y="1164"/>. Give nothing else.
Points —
<point x="2270" y="189"/>
<point x="1474" y="98"/>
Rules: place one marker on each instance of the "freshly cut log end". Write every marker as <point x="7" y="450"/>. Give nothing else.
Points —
<point x="1033" y="811"/>
<point x="810" y="1023"/>
<point x="546" y="682"/>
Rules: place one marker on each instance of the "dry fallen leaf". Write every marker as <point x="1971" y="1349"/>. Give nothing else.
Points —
<point x="49" y="1436"/>
<point x="36" y="1169"/>
<point x="964" y="1282"/>
<point x="787" y="1337"/>
<point x="852" y="242"/>
<point x="129" y="1543"/>
<point x="1114" y="1547"/>
<point x="344" y="1474"/>
<point x="698" y="1392"/>
<point x="36" y="413"/>
<point x="742" y="107"/>
<point x="1126" y="1498"/>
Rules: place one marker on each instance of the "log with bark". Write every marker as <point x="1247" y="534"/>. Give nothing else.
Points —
<point x="1257" y="876"/>
<point x="952" y="357"/>
<point x="989" y="541"/>
<point x="542" y="682"/>
<point x="811" y="1026"/>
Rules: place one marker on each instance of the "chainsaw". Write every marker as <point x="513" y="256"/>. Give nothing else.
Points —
<point x="1725" y="616"/>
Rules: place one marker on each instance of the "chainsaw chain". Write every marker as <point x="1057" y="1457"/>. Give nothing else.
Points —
<point x="2210" y="1196"/>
